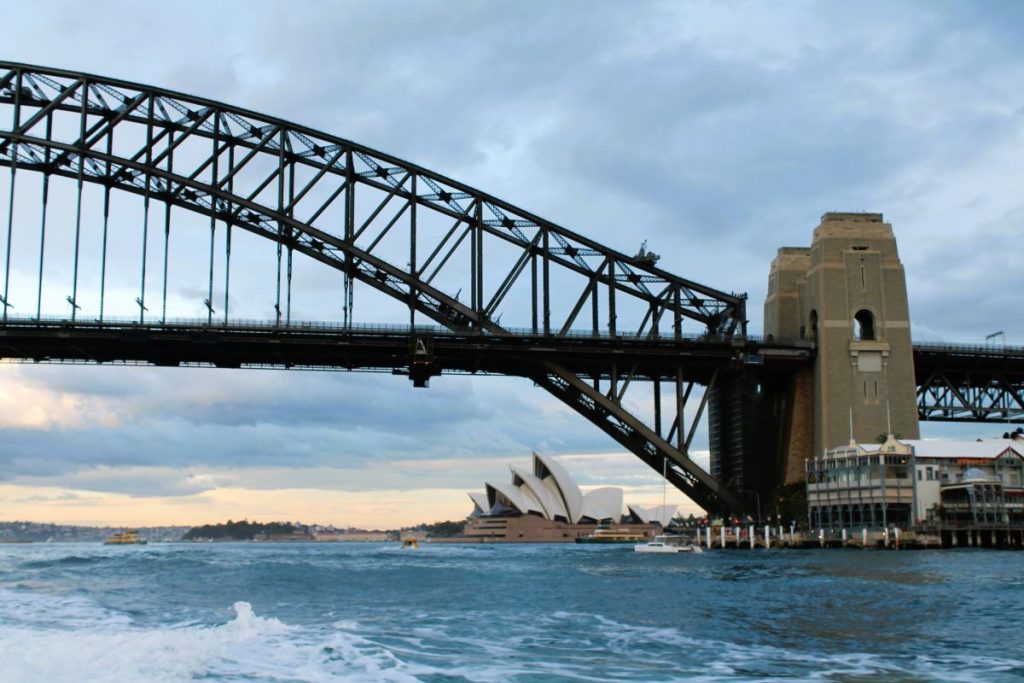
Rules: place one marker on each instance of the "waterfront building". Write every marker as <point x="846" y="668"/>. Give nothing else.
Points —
<point x="917" y="483"/>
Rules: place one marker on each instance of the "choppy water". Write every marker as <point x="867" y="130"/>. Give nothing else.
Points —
<point x="376" y="612"/>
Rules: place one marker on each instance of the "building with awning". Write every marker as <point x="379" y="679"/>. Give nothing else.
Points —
<point x="915" y="482"/>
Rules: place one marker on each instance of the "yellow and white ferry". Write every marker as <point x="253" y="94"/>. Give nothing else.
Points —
<point x="126" y="537"/>
<point x="609" y="535"/>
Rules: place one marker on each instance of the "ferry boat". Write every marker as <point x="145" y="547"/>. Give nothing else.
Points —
<point x="127" y="537"/>
<point x="608" y="535"/>
<point x="666" y="544"/>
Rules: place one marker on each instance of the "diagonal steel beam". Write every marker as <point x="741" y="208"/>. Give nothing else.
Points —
<point x="640" y="439"/>
<point x="49" y="108"/>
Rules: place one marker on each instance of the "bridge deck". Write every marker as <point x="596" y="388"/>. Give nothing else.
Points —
<point x="325" y="346"/>
<point x="382" y="348"/>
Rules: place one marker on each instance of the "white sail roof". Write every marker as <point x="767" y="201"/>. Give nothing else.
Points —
<point x="480" y="502"/>
<point x="603" y="503"/>
<point x="559" y="481"/>
<point x="662" y="514"/>
<point x="521" y="499"/>
<point x="548" y="499"/>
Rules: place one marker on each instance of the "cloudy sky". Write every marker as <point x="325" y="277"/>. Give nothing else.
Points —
<point x="717" y="131"/>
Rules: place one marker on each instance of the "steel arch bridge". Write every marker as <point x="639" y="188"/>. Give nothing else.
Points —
<point x="114" y="186"/>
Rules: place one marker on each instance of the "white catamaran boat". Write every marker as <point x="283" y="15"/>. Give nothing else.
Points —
<point x="667" y="544"/>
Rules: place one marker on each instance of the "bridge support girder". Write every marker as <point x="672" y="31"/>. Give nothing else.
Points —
<point x="607" y="413"/>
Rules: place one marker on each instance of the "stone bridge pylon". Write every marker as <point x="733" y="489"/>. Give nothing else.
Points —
<point x="847" y="294"/>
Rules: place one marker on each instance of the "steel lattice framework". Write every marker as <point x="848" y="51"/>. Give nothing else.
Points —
<point x="957" y="383"/>
<point x="387" y="225"/>
<point x="984" y="398"/>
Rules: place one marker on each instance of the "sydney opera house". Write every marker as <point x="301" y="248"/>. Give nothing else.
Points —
<point x="547" y="506"/>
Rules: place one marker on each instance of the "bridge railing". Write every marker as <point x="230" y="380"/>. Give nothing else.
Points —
<point x="970" y="349"/>
<point x="61" y="322"/>
<point x="439" y="330"/>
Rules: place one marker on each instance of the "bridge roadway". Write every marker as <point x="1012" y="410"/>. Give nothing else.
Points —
<point x="955" y="382"/>
<point x="965" y="360"/>
<point x="385" y="348"/>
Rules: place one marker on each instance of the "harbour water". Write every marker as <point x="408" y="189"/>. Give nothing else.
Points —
<point x="377" y="612"/>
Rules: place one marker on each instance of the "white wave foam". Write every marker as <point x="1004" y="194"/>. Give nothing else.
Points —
<point x="246" y="647"/>
<point x="110" y="649"/>
<point x="41" y="610"/>
<point x="60" y="638"/>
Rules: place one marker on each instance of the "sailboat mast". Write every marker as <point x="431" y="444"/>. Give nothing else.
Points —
<point x="664" y="479"/>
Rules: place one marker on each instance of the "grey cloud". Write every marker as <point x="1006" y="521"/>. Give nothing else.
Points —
<point x="63" y="497"/>
<point x="215" y="418"/>
<point x="132" y="481"/>
<point x="719" y="132"/>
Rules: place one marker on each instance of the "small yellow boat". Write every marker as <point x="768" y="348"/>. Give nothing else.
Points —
<point x="410" y="543"/>
<point x="126" y="537"/>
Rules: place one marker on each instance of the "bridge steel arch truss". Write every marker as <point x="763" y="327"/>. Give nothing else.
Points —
<point x="961" y="383"/>
<point x="985" y="397"/>
<point x="393" y="227"/>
